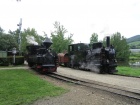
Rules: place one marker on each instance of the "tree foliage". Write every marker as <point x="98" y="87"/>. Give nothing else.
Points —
<point x="1" y="31"/>
<point x="7" y="42"/>
<point x="94" y="38"/>
<point x="60" y="42"/>
<point x="121" y="46"/>
<point x="24" y="39"/>
<point x="30" y="32"/>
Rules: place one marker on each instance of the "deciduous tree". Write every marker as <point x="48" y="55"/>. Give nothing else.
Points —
<point x="94" y="38"/>
<point x="32" y="33"/>
<point x="7" y="42"/>
<point x="121" y="46"/>
<point x="24" y="34"/>
<point x="60" y="42"/>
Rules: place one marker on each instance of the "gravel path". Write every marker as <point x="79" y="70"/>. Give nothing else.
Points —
<point x="126" y="82"/>
<point x="80" y="95"/>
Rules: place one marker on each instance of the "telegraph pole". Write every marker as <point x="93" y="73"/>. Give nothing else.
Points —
<point x="19" y="36"/>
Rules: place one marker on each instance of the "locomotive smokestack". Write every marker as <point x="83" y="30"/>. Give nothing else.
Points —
<point x="47" y="43"/>
<point x="107" y="41"/>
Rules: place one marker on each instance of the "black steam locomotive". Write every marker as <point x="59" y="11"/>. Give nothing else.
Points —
<point x="94" y="57"/>
<point x="41" y="58"/>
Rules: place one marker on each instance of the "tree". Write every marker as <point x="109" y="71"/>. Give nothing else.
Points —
<point x="7" y="42"/>
<point x="94" y="38"/>
<point x="1" y="31"/>
<point x="121" y="46"/>
<point x="29" y="32"/>
<point x="60" y="42"/>
<point x="15" y="34"/>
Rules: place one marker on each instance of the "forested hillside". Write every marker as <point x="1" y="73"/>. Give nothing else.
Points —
<point x="134" y="42"/>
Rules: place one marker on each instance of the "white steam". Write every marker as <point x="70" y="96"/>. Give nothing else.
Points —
<point x="31" y="40"/>
<point x="93" y="64"/>
<point x="90" y="66"/>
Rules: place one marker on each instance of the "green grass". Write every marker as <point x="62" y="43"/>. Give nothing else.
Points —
<point x="129" y="71"/>
<point x="134" y="57"/>
<point x="134" y="43"/>
<point x="19" y="87"/>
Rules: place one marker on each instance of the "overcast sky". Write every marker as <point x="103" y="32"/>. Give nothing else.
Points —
<point x="79" y="17"/>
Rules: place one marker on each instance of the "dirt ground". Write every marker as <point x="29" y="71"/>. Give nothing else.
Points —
<point x="80" y="95"/>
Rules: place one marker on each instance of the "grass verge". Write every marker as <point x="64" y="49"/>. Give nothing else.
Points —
<point x="128" y="71"/>
<point x="19" y="87"/>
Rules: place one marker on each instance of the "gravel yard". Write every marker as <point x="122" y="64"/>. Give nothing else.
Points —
<point x="122" y="81"/>
<point x="80" y="95"/>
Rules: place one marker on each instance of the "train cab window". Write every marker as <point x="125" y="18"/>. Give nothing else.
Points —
<point x="79" y="48"/>
<point x="70" y="48"/>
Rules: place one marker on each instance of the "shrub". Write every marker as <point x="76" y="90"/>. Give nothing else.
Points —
<point x="19" y="60"/>
<point x="4" y="62"/>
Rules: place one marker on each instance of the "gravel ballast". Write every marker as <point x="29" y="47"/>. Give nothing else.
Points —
<point x="80" y="95"/>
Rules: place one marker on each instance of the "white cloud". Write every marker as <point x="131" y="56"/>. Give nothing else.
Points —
<point x="80" y="17"/>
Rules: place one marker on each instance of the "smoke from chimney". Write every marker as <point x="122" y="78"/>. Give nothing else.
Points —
<point x="31" y="40"/>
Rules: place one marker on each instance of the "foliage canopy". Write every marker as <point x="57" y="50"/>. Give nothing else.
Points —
<point x="60" y="42"/>
<point x="7" y="42"/>
<point x="94" y="38"/>
<point x="121" y="46"/>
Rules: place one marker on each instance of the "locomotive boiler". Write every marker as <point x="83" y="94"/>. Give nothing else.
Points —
<point x="41" y="58"/>
<point x="94" y="57"/>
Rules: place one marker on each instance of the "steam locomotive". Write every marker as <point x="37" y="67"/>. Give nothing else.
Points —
<point x="41" y="58"/>
<point x="94" y="57"/>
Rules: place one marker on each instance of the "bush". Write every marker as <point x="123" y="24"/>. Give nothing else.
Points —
<point x="19" y="60"/>
<point x="4" y="62"/>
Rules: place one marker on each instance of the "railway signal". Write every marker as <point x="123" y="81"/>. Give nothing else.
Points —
<point x="19" y="37"/>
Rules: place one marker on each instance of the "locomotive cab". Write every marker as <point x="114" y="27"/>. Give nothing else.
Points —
<point x="97" y="45"/>
<point x="77" y="53"/>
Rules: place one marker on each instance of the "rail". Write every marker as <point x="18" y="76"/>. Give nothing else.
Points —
<point x="135" y="94"/>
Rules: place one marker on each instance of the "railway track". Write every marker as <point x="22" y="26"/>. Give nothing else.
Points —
<point x="127" y="92"/>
